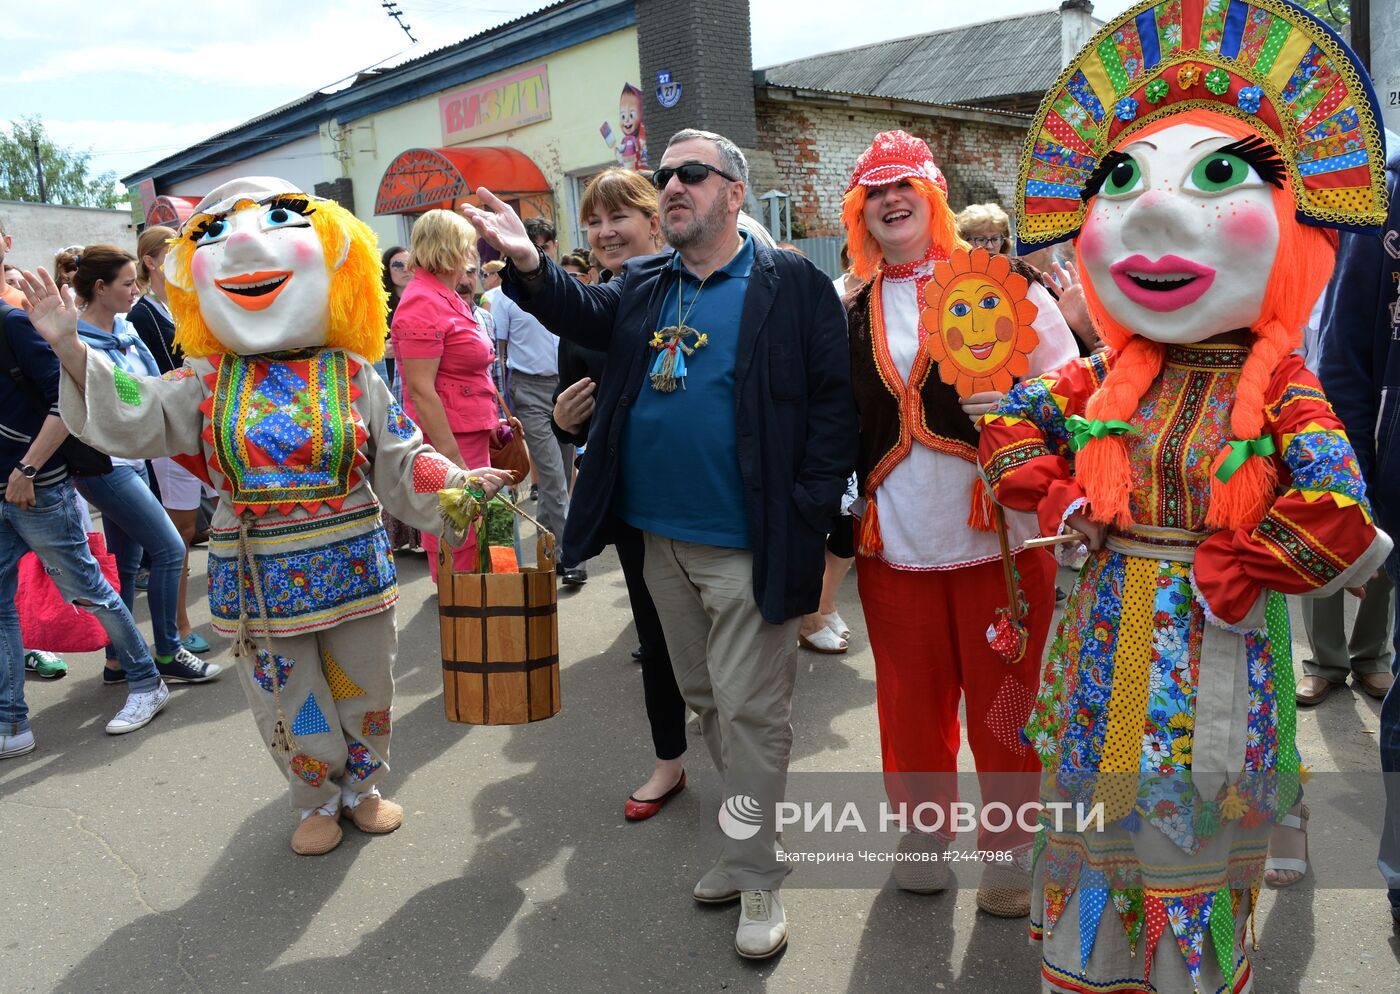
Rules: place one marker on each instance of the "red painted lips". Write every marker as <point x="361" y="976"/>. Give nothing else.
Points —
<point x="1168" y="284"/>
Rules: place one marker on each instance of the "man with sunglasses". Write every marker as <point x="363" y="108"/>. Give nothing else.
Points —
<point x="726" y="436"/>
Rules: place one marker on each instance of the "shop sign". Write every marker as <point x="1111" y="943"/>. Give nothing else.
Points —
<point x="496" y="105"/>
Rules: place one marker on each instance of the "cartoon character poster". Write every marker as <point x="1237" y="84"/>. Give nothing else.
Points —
<point x="630" y="144"/>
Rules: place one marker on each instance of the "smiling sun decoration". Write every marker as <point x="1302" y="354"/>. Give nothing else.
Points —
<point x="978" y="322"/>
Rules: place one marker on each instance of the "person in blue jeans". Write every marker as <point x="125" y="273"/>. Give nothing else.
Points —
<point x="39" y="513"/>
<point x="1360" y="370"/>
<point x="132" y="516"/>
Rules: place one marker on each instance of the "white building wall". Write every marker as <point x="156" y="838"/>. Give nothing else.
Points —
<point x="1385" y="59"/>
<point x="40" y="230"/>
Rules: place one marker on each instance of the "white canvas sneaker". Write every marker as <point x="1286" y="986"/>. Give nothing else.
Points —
<point x="16" y="745"/>
<point x="762" y="928"/>
<point x="138" y="710"/>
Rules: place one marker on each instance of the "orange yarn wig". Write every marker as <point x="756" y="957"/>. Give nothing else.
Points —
<point x="1300" y="272"/>
<point x="864" y="250"/>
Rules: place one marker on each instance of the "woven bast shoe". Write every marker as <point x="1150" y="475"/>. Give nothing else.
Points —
<point x="1005" y="892"/>
<point x="371" y="813"/>
<point x="319" y="831"/>
<point x="919" y="865"/>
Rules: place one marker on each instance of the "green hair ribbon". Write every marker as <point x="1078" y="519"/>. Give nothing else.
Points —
<point x="1081" y="430"/>
<point x="1240" y="450"/>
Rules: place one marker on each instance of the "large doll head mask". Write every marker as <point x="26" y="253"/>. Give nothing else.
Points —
<point x="262" y="267"/>
<point x="1181" y="235"/>
<point x="1197" y="148"/>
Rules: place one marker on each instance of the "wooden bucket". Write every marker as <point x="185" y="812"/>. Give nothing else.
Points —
<point x="500" y="641"/>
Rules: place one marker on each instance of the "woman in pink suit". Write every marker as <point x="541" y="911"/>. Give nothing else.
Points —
<point x="444" y="357"/>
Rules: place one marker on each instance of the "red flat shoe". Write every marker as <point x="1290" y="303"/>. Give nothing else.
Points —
<point x="637" y="810"/>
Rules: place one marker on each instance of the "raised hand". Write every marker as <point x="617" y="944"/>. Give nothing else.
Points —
<point x="1072" y="305"/>
<point x="53" y="312"/>
<point x="503" y="230"/>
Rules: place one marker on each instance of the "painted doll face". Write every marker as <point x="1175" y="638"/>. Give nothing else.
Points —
<point x="1181" y="238"/>
<point x="261" y="276"/>
<point x="980" y="323"/>
<point x="629" y="113"/>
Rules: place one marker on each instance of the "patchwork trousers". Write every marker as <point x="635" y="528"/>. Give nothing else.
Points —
<point x="337" y="690"/>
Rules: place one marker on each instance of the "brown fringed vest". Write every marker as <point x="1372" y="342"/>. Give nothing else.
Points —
<point x="894" y="416"/>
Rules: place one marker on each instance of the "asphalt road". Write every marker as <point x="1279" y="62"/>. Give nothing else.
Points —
<point x="159" y="861"/>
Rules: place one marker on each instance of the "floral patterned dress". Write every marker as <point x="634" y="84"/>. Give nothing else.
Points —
<point x="1178" y="722"/>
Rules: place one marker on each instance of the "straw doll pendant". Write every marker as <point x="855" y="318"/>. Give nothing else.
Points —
<point x="668" y="370"/>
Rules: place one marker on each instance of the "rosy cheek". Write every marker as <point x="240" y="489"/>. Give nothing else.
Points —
<point x="1249" y="228"/>
<point x="1091" y="241"/>
<point x="199" y="267"/>
<point x="305" y="254"/>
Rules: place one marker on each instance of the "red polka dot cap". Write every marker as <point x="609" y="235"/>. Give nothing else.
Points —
<point x="893" y="156"/>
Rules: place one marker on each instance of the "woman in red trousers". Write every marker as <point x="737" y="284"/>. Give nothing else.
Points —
<point x="929" y="578"/>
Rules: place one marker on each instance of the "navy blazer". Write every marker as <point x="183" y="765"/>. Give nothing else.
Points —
<point x="795" y="412"/>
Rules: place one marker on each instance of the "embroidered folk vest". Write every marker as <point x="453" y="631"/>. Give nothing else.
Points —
<point x="282" y="429"/>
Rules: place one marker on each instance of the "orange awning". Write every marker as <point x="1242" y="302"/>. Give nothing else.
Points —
<point x="171" y="211"/>
<point x="421" y="179"/>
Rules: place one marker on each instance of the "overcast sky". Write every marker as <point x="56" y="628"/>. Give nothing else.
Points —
<point x="136" y="80"/>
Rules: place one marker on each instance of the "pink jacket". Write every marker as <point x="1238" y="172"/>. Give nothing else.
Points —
<point x="432" y="322"/>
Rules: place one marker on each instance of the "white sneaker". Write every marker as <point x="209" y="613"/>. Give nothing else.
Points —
<point x="16" y="745"/>
<point x="138" y="710"/>
<point x="762" y="928"/>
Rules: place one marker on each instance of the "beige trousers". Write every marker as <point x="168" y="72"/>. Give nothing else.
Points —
<point x="337" y="694"/>
<point x="736" y="671"/>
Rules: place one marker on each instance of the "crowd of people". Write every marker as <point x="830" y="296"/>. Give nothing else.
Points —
<point x="742" y="428"/>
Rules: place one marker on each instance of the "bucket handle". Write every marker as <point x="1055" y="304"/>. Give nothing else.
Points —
<point x="544" y="544"/>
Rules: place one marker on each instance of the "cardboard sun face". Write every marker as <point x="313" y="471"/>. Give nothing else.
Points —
<point x="978" y="322"/>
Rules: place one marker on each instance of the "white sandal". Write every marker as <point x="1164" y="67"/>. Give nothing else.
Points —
<point x="1287" y="864"/>
<point x="837" y="625"/>
<point x="823" y="640"/>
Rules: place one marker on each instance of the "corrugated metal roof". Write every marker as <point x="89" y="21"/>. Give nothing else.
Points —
<point x="970" y="64"/>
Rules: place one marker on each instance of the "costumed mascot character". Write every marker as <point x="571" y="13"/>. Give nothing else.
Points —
<point x="279" y="307"/>
<point x="1198" y="149"/>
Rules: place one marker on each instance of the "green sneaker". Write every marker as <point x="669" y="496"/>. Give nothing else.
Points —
<point x="45" y="665"/>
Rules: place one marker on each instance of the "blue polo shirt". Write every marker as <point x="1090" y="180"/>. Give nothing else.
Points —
<point x="680" y="456"/>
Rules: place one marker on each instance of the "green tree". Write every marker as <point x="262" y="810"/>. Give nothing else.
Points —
<point x="1334" y="12"/>
<point x="66" y="170"/>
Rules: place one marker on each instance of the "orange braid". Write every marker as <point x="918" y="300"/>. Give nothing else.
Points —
<point x="1301" y="271"/>
<point x="1101" y="467"/>
<point x="865" y="251"/>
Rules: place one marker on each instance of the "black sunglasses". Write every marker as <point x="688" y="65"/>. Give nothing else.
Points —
<point x="690" y="173"/>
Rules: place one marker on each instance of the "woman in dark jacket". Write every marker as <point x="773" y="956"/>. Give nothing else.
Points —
<point x="619" y="211"/>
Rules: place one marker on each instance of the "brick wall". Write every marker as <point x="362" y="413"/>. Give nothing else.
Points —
<point x="341" y="190"/>
<point x="706" y="48"/>
<point x="816" y="147"/>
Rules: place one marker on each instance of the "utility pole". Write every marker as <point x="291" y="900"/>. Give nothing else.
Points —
<point x="39" y="169"/>
<point x="393" y="10"/>
<point x="1361" y="31"/>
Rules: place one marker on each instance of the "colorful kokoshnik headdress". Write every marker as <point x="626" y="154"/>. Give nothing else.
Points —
<point x="1266" y="62"/>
